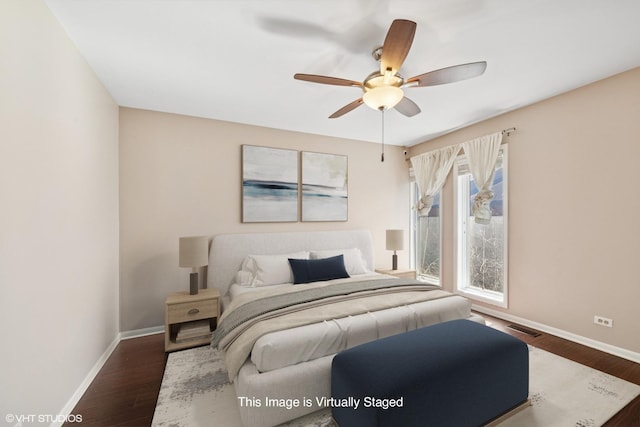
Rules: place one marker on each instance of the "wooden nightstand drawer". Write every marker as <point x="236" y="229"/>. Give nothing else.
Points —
<point x="182" y="312"/>
<point x="196" y="310"/>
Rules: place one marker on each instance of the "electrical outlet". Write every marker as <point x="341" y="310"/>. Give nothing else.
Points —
<point x="603" y="321"/>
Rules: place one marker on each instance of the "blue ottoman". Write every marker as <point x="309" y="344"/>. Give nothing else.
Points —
<point x="457" y="373"/>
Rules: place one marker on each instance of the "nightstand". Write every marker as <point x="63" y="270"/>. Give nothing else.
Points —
<point x="403" y="274"/>
<point x="189" y="319"/>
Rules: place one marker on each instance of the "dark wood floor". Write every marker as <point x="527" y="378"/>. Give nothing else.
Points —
<point x="629" y="416"/>
<point x="125" y="391"/>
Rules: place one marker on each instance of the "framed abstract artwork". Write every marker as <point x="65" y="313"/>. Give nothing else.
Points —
<point x="324" y="187"/>
<point x="269" y="184"/>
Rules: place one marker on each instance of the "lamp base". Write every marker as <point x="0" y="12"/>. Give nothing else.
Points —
<point x="193" y="283"/>
<point x="394" y="261"/>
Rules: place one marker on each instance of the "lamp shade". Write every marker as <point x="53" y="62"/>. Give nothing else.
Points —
<point x="194" y="251"/>
<point x="395" y="240"/>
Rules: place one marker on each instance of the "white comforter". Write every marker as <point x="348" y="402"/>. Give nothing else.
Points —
<point x="289" y="347"/>
<point x="282" y="346"/>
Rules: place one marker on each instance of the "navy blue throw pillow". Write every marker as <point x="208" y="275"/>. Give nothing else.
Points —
<point x="316" y="270"/>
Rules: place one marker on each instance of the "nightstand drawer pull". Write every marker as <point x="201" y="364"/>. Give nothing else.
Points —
<point x="193" y="311"/>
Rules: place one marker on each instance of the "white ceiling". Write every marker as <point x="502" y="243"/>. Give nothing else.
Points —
<point x="234" y="60"/>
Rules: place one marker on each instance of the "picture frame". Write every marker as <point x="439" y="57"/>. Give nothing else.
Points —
<point x="270" y="184"/>
<point x="325" y="190"/>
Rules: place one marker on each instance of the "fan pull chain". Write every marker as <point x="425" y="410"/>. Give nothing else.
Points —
<point x="382" y="154"/>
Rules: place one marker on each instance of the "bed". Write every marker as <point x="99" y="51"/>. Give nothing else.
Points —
<point x="279" y="338"/>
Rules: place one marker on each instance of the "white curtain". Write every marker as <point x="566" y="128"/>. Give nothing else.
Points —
<point x="482" y="154"/>
<point x="431" y="170"/>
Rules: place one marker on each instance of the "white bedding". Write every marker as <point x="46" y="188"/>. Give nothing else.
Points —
<point x="289" y="347"/>
<point x="301" y="344"/>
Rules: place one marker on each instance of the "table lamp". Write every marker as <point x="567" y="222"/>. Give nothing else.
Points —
<point x="193" y="253"/>
<point x="395" y="242"/>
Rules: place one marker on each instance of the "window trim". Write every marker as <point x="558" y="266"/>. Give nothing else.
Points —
<point x="460" y="261"/>
<point x="415" y="192"/>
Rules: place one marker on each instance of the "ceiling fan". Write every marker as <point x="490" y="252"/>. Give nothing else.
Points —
<point x="383" y="89"/>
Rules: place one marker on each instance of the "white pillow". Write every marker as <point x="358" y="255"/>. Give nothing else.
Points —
<point x="353" y="260"/>
<point x="271" y="269"/>
<point x="245" y="278"/>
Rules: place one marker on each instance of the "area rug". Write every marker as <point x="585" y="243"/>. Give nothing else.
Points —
<point x="196" y="392"/>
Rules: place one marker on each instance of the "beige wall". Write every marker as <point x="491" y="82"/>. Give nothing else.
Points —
<point x="573" y="209"/>
<point x="58" y="210"/>
<point x="181" y="176"/>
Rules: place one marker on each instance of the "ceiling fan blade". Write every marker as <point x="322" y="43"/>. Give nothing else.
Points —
<point x="292" y="28"/>
<point x="326" y="80"/>
<point x="449" y="74"/>
<point x="407" y="107"/>
<point x="397" y="44"/>
<point x="344" y="110"/>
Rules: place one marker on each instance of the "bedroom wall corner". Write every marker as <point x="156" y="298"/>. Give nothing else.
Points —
<point x="59" y="215"/>
<point x="181" y="176"/>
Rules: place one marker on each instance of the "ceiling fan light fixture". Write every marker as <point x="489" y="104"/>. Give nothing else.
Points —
<point x="383" y="97"/>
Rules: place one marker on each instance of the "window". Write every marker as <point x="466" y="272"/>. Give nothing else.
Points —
<point x="426" y="240"/>
<point x="481" y="250"/>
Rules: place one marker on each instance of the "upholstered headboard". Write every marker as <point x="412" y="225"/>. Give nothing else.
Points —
<point x="229" y="250"/>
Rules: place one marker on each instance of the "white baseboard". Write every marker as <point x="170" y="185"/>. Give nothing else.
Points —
<point x="598" y="345"/>
<point x="88" y="379"/>
<point x="136" y="333"/>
